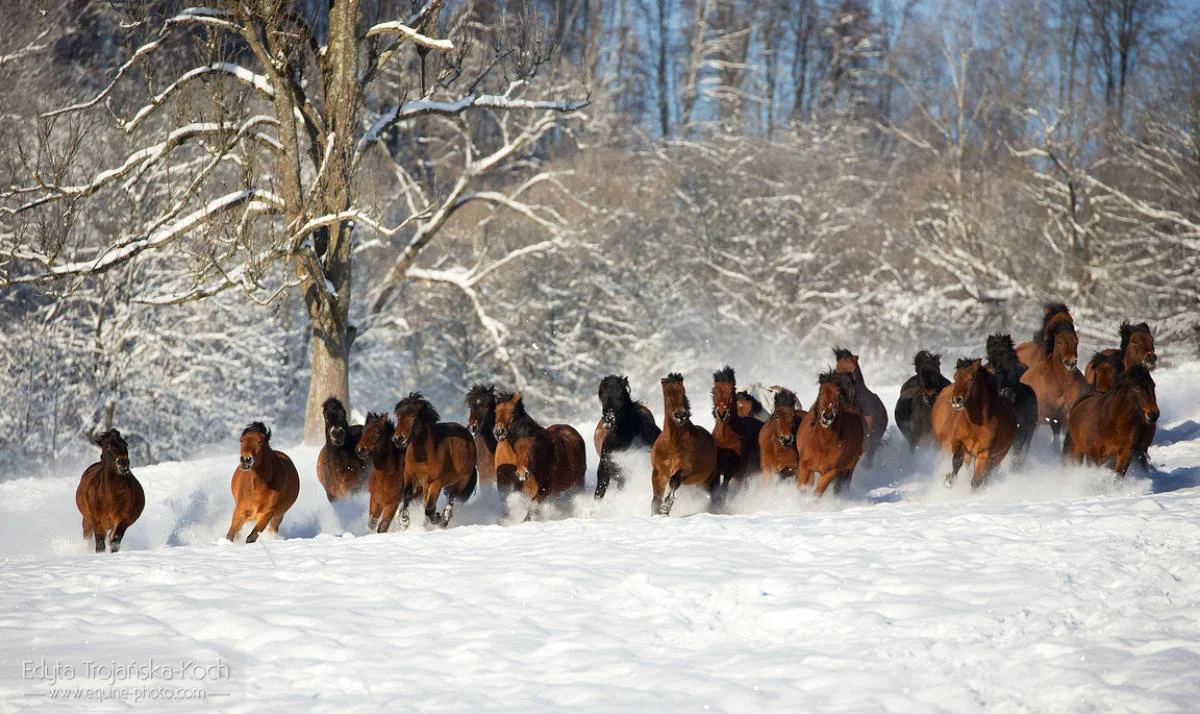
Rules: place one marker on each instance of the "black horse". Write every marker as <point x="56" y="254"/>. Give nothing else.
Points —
<point x="1007" y="368"/>
<point x="624" y="424"/>
<point x="914" y="408"/>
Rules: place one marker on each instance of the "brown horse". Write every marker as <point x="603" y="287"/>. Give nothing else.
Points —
<point x="265" y="484"/>
<point x="914" y="408"/>
<point x="339" y="469"/>
<point x="388" y="485"/>
<point x="624" y="424"/>
<point x="109" y="498"/>
<point x="970" y="418"/>
<point x="1103" y="369"/>
<point x="874" y="413"/>
<point x="750" y="401"/>
<point x="777" y="454"/>
<point x="1137" y="347"/>
<point x="683" y="454"/>
<point x="832" y="436"/>
<point x="1035" y="351"/>
<point x="439" y="456"/>
<point x="1055" y="380"/>
<point x="481" y="419"/>
<point x="1111" y="426"/>
<point x="555" y="457"/>
<point x="736" y="437"/>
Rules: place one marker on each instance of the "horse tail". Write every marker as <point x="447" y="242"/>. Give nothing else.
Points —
<point x="1066" y="449"/>
<point x="469" y="490"/>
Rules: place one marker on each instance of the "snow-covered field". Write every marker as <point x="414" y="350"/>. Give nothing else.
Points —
<point x="1055" y="590"/>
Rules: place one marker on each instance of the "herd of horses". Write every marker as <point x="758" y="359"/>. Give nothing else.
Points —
<point x="985" y="411"/>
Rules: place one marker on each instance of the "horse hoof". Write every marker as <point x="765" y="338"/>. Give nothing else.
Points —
<point x="948" y="482"/>
<point x="114" y="546"/>
<point x="252" y="538"/>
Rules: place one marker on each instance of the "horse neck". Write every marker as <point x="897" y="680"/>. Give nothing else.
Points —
<point x="983" y="399"/>
<point x="487" y="426"/>
<point x="265" y="468"/>
<point x="109" y="473"/>
<point x="386" y="456"/>
<point x="1122" y="400"/>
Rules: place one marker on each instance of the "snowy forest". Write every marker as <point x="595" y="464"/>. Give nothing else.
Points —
<point x="212" y="214"/>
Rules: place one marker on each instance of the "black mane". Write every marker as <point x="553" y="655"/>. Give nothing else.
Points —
<point x="841" y="353"/>
<point x="1128" y="330"/>
<point x="111" y="437"/>
<point x="1100" y="359"/>
<point x="257" y="427"/>
<point x="672" y="378"/>
<point x="1136" y="376"/>
<point x="785" y="398"/>
<point x="416" y="402"/>
<point x="725" y="374"/>
<point x="964" y="362"/>
<point x="1002" y="357"/>
<point x="840" y="379"/>
<point x="481" y="395"/>
<point x="1052" y="336"/>
<point x="1051" y="309"/>
<point x="334" y="412"/>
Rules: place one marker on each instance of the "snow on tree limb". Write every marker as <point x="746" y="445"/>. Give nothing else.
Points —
<point x="244" y="75"/>
<point x="399" y="28"/>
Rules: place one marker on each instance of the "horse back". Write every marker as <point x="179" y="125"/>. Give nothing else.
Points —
<point x="570" y="453"/>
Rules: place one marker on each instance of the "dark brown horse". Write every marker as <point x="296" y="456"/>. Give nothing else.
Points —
<point x="1053" y="314"/>
<point x="971" y="419"/>
<point x="265" y="484"/>
<point x="555" y="457"/>
<point x="481" y="401"/>
<point x="439" y="456"/>
<point x="388" y="485"/>
<point x="1007" y="370"/>
<point x="1137" y="347"/>
<point x="750" y="401"/>
<point x="339" y="469"/>
<point x="109" y="498"/>
<point x="777" y="453"/>
<point x="736" y="437"/>
<point x="1109" y="427"/>
<point x="914" y="408"/>
<point x="874" y="413"/>
<point x="1055" y="379"/>
<point x="624" y="424"/>
<point x="684" y="454"/>
<point x="832" y="436"/>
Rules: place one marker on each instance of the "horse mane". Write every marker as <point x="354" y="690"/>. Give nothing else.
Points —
<point x="425" y="410"/>
<point x="107" y="436"/>
<point x="375" y="418"/>
<point x="480" y="394"/>
<point x="1002" y="357"/>
<point x="784" y="398"/>
<point x="1052" y="335"/>
<point x="1051" y="310"/>
<point x="841" y="353"/>
<point x="332" y="407"/>
<point x="1136" y="376"/>
<point x="522" y="425"/>
<point x="725" y="374"/>
<point x="672" y="378"/>
<point x="1100" y="359"/>
<point x="754" y="403"/>
<point x="257" y="427"/>
<point x="1128" y="330"/>
<point x="964" y="362"/>
<point x="839" y="379"/>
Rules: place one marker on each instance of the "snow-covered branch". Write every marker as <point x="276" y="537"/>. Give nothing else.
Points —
<point x="408" y="33"/>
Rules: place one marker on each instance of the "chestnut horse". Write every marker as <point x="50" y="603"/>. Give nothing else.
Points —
<point x="874" y="413"/>
<point x="481" y="419"/>
<point x="736" y="437"/>
<point x="1007" y="369"/>
<point x="339" y="469"/>
<point x="109" y="498"/>
<point x="388" y="485"/>
<point x="555" y="456"/>
<point x="1034" y="351"/>
<point x="265" y="484"/>
<point x="777" y="454"/>
<point x="624" y="424"/>
<point x="914" y="408"/>
<point x="971" y="419"/>
<point x="1110" y="426"/>
<point x="832" y="436"/>
<point x="683" y="454"/>
<point x="1137" y="347"/>
<point x="1055" y="379"/>
<point x="439" y="456"/>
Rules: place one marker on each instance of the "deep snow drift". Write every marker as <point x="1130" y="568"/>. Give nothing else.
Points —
<point x="1054" y="590"/>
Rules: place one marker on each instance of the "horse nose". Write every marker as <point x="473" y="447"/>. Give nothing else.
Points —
<point x="500" y="433"/>
<point x="399" y="442"/>
<point x="1151" y="360"/>
<point x="362" y="453"/>
<point x="1070" y="363"/>
<point x="473" y="428"/>
<point x="246" y="461"/>
<point x="1152" y="416"/>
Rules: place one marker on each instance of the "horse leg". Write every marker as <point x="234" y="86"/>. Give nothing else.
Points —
<point x="1124" y="457"/>
<point x="983" y="468"/>
<point x="669" y="500"/>
<point x="385" y="519"/>
<point x="432" y="490"/>
<point x="603" y="475"/>
<point x="657" y="484"/>
<point x="374" y="510"/>
<point x="841" y="481"/>
<point x="827" y="477"/>
<point x="404" y="520"/>
<point x="273" y="526"/>
<point x="448" y="511"/>
<point x="955" y="464"/>
<point x="239" y="520"/>
<point x="99" y="535"/>
<point x="259" y="526"/>
<point x="115" y="543"/>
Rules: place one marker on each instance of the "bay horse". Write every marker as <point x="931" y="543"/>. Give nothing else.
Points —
<point x="624" y="424"/>
<point x="481" y="419"/>
<point x="971" y="419"/>
<point x="1007" y="369"/>
<point x="1034" y="351"/>
<point x="1055" y="379"/>
<point x="339" y="469"/>
<point x="874" y="413"/>
<point x="1109" y="427"/>
<point x="736" y="437"/>
<point x="555" y="457"/>
<point x="683" y="454"/>
<point x="439" y="456"/>
<point x="109" y="498"/>
<point x="388" y="484"/>
<point x="777" y="453"/>
<point x="832" y="436"/>
<point x="1103" y="369"/>
<point x="914" y="408"/>
<point x="265" y="484"/>
<point x="1137" y="347"/>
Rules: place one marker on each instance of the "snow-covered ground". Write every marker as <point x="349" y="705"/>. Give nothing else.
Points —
<point x="1056" y="589"/>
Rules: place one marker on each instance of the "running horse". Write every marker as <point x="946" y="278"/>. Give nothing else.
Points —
<point x="1053" y="314"/>
<point x="265" y="484"/>
<point x="388" y="485"/>
<point x="1055" y="379"/>
<point x="736" y="437"/>
<point x="549" y="461"/>
<point x="971" y="419"/>
<point x="1109" y="427"/>
<point x="914" y="408"/>
<point x="1007" y="369"/>
<point x="1137" y="347"/>
<point x="777" y="453"/>
<point x="832" y="436"/>
<point x="109" y="498"/>
<point x="438" y="456"/>
<point x="339" y="469"/>
<point x="624" y="424"/>
<point x="874" y="413"/>
<point x="684" y="454"/>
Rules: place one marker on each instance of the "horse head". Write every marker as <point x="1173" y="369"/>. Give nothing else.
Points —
<point x="675" y="401"/>
<point x="724" y="394"/>
<point x="256" y="441"/>
<point x="508" y="408"/>
<point x="414" y="413"/>
<point x="481" y="401"/>
<point x="614" y="395"/>
<point x="377" y="430"/>
<point x="114" y="452"/>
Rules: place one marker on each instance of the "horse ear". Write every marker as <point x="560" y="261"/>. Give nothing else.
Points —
<point x="625" y="381"/>
<point x="516" y="397"/>
<point x="98" y="439"/>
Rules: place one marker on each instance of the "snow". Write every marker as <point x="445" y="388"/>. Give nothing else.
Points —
<point x="1057" y="589"/>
